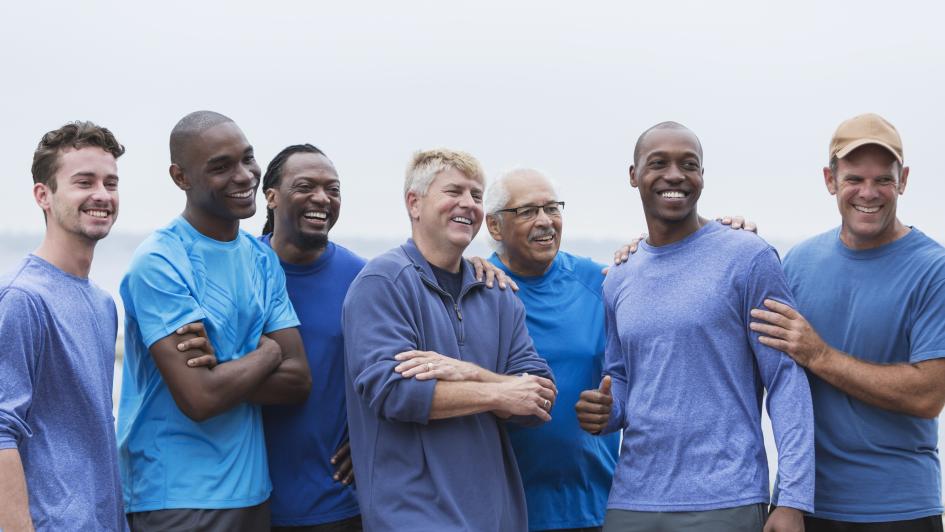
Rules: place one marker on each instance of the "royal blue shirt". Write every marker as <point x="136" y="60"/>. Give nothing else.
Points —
<point x="566" y="471"/>
<point x="237" y="288"/>
<point x="884" y="305"/>
<point x="688" y="377"/>
<point x="57" y="360"/>
<point x="301" y="439"/>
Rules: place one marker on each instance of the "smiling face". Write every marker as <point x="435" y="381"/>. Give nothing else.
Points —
<point x="669" y="174"/>
<point x="528" y="246"/>
<point x="448" y="216"/>
<point x="307" y="202"/>
<point x="867" y="185"/>
<point x="220" y="175"/>
<point x="85" y="203"/>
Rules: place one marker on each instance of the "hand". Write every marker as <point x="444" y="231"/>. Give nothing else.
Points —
<point x="525" y="395"/>
<point x="738" y="222"/>
<point x="485" y="268"/>
<point x="593" y="407"/>
<point x="789" y="332"/>
<point x="426" y="365"/>
<point x="270" y="346"/>
<point x="344" y="472"/>
<point x="784" y="519"/>
<point x="203" y="354"/>
<point x="623" y="254"/>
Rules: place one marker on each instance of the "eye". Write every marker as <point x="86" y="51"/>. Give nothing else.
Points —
<point x="656" y="163"/>
<point x="691" y="165"/>
<point x="111" y="184"/>
<point x="334" y="190"/>
<point x="249" y="158"/>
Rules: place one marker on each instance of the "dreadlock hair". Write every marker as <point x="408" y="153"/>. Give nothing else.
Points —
<point x="273" y="176"/>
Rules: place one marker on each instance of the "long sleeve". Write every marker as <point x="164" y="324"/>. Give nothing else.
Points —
<point x="614" y="365"/>
<point x="21" y="330"/>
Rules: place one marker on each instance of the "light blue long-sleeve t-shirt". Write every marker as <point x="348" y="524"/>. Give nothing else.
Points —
<point x="414" y="473"/>
<point x="688" y="378"/>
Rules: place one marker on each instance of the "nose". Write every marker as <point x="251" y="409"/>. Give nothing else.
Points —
<point x="101" y="194"/>
<point x="466" y="199"/>
<point x="319" y="196"/>
<point x="542" y="217"/>
<point x="868" y="190"/>
<point x="673" y="174"/>
<point x="245" y="173"/>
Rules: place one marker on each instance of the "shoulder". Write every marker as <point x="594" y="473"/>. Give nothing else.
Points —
<point x="814" y="246"/>
<point x="162" y="245"/>
<point x="349" y="257"/>
<point x="583" y="269"/>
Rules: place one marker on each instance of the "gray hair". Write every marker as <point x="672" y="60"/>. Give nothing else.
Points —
<point x="497" y="196"/>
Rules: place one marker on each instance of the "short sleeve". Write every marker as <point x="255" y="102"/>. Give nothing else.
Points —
<point x="927" y="336"/>
<point x="156" y="295"/>
<point x="280" y="314"/>
<point x="22" y="329"/>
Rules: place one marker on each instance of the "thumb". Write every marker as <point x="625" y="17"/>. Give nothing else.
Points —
<point x="605" y="385"/>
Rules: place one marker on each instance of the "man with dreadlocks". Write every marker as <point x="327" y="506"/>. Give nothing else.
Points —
<point x="191" y="446"/>
<point x="309" y="460"/>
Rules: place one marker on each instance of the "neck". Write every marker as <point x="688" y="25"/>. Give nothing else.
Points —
<point x="448" y="260"/>
<point x="525" y="269"/>
<point x="850" y="240"/>
<point x="211" y="226"/>
<point x="292" y="252"/>
<point x="663" y="232"/>
<point x="70" y="254"/>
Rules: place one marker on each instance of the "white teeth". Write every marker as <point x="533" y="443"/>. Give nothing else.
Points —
<point x="97" y="213"/>
<point x="672" y="194"/>
<point x="241" y="195"/>
<point x="316" y="215"/>
<point x="545" y="238"/>
<point x="868" y="210"/>
<point x="460" y="219"/>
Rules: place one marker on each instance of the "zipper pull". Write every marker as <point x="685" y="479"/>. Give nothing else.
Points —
<point x="458" y="313"/>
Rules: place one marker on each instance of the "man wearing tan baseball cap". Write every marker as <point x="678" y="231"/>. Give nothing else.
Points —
<point x="870" y="329"/>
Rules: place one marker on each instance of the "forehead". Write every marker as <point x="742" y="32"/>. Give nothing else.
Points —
<point x="671" y="141"/>
<point x="529" y="189"/>
<point x="312" y="165"/>
<point x="222" y="139"/>
<point x="872" y="157"/>
<point x="86" y="160"/>
<point x="453" y="177"/>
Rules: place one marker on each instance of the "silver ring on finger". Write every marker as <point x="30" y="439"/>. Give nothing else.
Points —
<point x="547" y="404"/>
<point x="429" y="366"/>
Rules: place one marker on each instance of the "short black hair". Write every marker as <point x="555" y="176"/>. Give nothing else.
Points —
<point x="189" y="127"/>
<point x="669" y="124"/>
<point x="273" y="176"/>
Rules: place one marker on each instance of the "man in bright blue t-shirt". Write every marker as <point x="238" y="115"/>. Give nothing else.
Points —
<point x="307" y="444"/>
<point x="191" y="446"/>
<point x="565" y="471"/>
<point x="870" y="329"/>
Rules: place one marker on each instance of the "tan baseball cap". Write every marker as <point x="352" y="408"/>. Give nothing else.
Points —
<point x="865" y="129"/>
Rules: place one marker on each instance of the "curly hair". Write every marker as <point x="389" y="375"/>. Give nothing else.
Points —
<point x="76" y="135"/>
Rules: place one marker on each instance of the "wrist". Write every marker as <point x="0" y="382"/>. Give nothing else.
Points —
<point x="817" y="362"/>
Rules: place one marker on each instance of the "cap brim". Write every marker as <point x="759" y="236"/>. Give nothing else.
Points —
<point x="846" y="150"/>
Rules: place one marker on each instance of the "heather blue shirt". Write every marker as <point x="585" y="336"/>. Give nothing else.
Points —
<point x="566" y="471"/>
<point x="301" y="439"/>
<point x="179" y="276"/>
<point x="886" y="306"/>
<point x="57" y="361"/>
<point x="688" y="376"/>
<point x="414" y="473"/>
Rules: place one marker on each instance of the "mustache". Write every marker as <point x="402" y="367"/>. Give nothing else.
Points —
<point x="542" y="233"/>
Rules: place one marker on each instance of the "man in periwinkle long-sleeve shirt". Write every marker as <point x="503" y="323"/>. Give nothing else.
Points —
<point x="436" y="365"/>
<point x="685" y="372"/>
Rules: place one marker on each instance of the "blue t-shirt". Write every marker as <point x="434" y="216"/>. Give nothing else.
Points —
<point x="179" y="276"/>
<point x="57" y="360"/>
<point x="688" y="376"/>
<point x="566" y="471"/>
<point x="887" y="306"/>
<point x="301" y="439"/>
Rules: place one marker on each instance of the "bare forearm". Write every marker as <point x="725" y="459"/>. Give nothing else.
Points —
<point x="898" y="387"/>
<point x="461" y="398"/>
<point x="14" y="505"/>
<point x="289" y="384"/>
<point x="231" y="383"/>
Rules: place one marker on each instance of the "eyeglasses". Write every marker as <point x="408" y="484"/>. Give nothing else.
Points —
<point x="529" y="212"/>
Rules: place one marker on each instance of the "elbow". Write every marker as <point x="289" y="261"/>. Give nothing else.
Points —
<point x="928" y="408"/>
<point x="196" y="407"/>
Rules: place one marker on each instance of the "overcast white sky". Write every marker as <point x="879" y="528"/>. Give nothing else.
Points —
<point x="562" y="86"/>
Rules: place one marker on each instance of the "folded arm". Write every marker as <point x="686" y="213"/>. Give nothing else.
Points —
<point x="291" y="382"/>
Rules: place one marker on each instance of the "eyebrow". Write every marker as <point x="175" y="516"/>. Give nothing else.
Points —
<point x="224" y="158"/>
<point x="688" y="153"/>
<point x="87" y="173"/>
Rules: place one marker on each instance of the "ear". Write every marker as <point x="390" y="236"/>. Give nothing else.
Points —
<point x="42" y="193"/>
<point x="494" y="226"/>
<point x="272" y="199"/>
<point x="830" y="181"/>
<point x="633" y="177"/>
<point x="177" y="175"/>
<point x="413" y="205"/>
<point x="903" y="179"/>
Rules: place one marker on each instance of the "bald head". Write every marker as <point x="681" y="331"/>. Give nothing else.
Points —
<point x="188" y="129"/>
<point x="640" y="147"/>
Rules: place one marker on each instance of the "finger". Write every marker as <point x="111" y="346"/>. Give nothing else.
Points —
<point x="546" y="394"/>
<point x="193" y="328"/>
<point x="410" y="363"/>
<point x="781" y="308"/>
<point x="595" y="397"/>
<point x="541" y="413"/>
<point x="418" y="370"/>
<point x="199" y="343"/>
<point x="752" y="227"/>
<point x="349" y="478"/>
<point x="592" y="408"/>
<point x="490" y="277"/>
<point x="604" y="270"/>
<point x="512" y="284"/>
<point x="208" y="361"/>
<point x="407" y="355"/>
<point x="770" y="317"/>
<point x="341" y="453"/>
<point x="738" y="222"/>
<point x="478" y="267"/>
<point x="605" y="384"/>
<point x="343" y="469"/>
<point x="774" y="343"/>
<point x="769" y="330"/>
<point x="597" y="419"/>
<point x="592" y="427"/>
<point x="725" y="220"/>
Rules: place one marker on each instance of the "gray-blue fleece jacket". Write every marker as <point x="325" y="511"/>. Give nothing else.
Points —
<point x="414" y="473"/>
